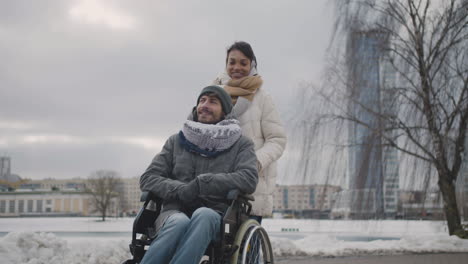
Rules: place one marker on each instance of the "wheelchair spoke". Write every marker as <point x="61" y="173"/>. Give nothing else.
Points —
<point x="254" y="245"/>
<point x="255" y="248"/>
<point x="255" y="252"/>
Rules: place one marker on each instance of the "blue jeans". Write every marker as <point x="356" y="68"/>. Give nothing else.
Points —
<point x="184" y="240"/>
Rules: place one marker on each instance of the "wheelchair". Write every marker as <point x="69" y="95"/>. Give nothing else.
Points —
<point x="243" y="240"/>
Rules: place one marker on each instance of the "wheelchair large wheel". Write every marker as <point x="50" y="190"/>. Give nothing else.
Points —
<point x="254" y="246"/>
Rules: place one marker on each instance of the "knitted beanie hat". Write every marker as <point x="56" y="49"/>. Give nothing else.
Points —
<point x="223" y="96"/>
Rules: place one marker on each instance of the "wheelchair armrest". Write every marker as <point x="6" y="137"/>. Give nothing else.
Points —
<point x="146" y="216"/>
<point x="239" y="209"/>
<point x="146" y="196"/>
<point x="236" y="194"/>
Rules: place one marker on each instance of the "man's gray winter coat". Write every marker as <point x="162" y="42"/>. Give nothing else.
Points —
<point x="174" y="166"/>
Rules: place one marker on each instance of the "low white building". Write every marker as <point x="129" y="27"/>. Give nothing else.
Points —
<point x="48" y="203"/>
<point x="40" y="202"/>
<point x="129" y="189"/>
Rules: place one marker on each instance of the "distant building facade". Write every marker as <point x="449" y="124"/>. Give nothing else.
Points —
<point x="51" y="197"/>
<point x="410" y="204"/>
<point x="354" y="204"/>
<point x="132" y="194"/>
<point x="45" y="203"/>
<point x="78" y="184"/>
<point x="422" y="205"/>
<point x="307" y="201"/>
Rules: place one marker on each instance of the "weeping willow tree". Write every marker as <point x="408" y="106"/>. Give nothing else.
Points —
<point x="424" y="113"/>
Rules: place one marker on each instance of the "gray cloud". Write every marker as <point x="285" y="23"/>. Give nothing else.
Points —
<point x="122" y="69"/>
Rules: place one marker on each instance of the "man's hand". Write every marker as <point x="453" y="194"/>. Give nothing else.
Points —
<point x="188" y="192"/>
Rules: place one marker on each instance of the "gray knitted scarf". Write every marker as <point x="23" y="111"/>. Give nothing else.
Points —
<point x="213" y="138"/>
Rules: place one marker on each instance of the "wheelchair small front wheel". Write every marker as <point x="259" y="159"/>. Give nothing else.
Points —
<point x="253" y="243"/>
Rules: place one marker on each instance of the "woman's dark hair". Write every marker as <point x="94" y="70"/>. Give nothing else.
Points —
<point x="243" y="47"/>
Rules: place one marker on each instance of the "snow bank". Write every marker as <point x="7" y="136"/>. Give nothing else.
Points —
<point x="39" y="248"/>
<point x="332" y="247"/>
<point x="388" y="228"/>
<point x="86" y="240"/>
<point x="68" y="224"/>
<point x="386" y="237"/>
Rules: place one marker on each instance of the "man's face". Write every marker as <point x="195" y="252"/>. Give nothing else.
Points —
<point x="209" y="109"/>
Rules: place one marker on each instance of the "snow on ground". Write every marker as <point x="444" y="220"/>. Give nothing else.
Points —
<point x="328" y="246"/>
<point x="86" y="240"/>
<point x="37" y="248"/>
<point x="69" y="224"/>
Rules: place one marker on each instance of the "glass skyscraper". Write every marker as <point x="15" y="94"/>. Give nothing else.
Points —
<point x="365" y="53"/>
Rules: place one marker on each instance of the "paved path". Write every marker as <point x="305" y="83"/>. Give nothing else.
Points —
<point x="444" y="258"/>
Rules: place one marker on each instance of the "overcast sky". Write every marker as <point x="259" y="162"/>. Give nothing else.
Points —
<point x="87" y="85"/>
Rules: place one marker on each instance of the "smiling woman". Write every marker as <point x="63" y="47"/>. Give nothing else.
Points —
<point x="258" y="117"/>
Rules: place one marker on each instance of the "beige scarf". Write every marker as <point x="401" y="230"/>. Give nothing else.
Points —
<point x="244" y="87"/>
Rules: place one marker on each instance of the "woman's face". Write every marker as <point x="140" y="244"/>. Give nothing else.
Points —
<point x="238" y="65"/>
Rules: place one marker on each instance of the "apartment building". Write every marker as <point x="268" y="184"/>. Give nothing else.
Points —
<point x="131" y="195"/>
<point x="309" y="201"/>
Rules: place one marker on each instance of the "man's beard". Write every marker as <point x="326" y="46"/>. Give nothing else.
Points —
<point x="208" y="112"/>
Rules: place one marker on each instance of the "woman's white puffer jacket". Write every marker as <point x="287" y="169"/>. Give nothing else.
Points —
<point x="261" y="123"/>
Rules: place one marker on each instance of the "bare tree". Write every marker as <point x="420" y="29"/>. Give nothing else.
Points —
<point x="105" y="188"/>
<point x="425" y="43"/>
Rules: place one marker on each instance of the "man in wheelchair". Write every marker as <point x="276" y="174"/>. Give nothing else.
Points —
<point x="192" y="174"/>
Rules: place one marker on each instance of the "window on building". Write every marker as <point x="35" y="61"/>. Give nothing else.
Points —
<point x="12" y="206"/>
<point x="285" y="198"/>
<point x="2" y="206"/>
<point x="39" y="206"/>
<point x="21" y="206"/>
<point x="30" y="206"/>
<point x="312" y="198"/>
